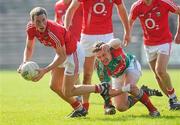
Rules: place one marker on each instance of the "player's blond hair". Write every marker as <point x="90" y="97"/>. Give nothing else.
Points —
<point x="37" y="11"/>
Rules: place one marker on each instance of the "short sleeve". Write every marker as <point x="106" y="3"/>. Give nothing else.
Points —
<point x="170" y="5"/>
<point x="134" y="12"/>
<point x="30" y="31"/>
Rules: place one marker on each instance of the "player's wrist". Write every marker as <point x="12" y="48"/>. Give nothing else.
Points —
<point x="47" y="69"/>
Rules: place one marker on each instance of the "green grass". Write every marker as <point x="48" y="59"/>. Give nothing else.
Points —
<point x="27" y="103"/>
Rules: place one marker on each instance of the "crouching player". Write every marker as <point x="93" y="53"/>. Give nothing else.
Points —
<point x="125" y="72"/>
<point x="105" y="78"/>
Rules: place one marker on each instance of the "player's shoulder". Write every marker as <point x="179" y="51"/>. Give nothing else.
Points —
<point x="137" y="4"/>
<point x="61" y="7"/>
<point x="169" y="2"/>
<point x="53" y="23"/>
<point x="59" y="3"/>
<point x="54" y="26"/>
<point x="30" y="26"/>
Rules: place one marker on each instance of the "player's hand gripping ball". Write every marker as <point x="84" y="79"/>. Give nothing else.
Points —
<point x="29" y="70"/>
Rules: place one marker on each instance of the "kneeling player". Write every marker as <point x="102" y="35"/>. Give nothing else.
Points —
<point x="125" y="72"/>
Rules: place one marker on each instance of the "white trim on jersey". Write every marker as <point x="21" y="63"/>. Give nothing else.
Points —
<point x="54" y="37"/>
<point x="134" y="6"/>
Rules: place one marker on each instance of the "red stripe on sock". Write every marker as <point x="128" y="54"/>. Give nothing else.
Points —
<point x="97" y="89"/>
<point x="76" y="104"/>
<point x="170" y="91"/>
<point x="86" y="106"/>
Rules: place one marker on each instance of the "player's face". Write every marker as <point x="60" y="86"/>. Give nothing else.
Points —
<point x="104" y="57"/>
<point x="40" y="22"/>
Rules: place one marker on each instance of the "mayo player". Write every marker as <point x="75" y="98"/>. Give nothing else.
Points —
<point x="153" y="16"/>
<point x="126" y="70"/>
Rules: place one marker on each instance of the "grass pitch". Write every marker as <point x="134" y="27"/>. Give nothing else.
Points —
<point x="26" y="103"/>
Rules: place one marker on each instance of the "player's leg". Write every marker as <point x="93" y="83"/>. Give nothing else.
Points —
<point x="69" y="90"/>
<point x="56" y="85"/>
<point x="152" y="65"/>
<point x="87" y="76"/>
<point x="57" y="75"/>
<point x="122" y="101"/>
<point x="109" y="109"/>
<point x="151" y="53"/>
<point x="160" y="69"/>
<point x="73" y="68"/>
<point x="79" y="98"/>
<point x="87" y="42"/>
<point x="132" y="76"/>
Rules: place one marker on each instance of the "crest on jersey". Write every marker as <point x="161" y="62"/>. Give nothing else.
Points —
<point x="158" y="14"/>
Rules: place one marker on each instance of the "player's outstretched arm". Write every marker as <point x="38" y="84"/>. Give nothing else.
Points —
<point x="28" y="52"/>
<point x="70" y="13"/>
<point x="124" y="19"/>
<point x="177" y="36"/>
<point x="61" y="57"/>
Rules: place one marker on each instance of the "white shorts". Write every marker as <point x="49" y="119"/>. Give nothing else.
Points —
<point x="134" y="68"/>
<point x="88" y="41"/>
<point x="153" y="51"/>
<point x="74" y="62"/>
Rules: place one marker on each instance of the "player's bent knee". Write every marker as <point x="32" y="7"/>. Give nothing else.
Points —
<point x="67" y="93"/>
<point x="122" y="108"/>
<point x="160" y="73"/>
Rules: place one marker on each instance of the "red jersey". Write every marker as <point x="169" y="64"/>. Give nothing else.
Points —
<point x="97" y="16"/>
<point x="154" y="20"/>
<point x="75" y="28"/>
<point x="54" y="35"/>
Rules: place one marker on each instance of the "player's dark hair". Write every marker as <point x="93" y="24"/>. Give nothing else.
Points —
<point x="97" y="47"/>
<point x="37" y="11"/>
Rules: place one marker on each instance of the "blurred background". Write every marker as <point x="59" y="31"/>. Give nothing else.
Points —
<point x="14" y="15"/>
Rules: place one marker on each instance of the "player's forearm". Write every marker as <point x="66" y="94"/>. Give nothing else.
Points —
<point x="178" y="24"/>
<point x="27" y="54"/>
<point x="68" y="19"/>
<point x="70" y="13"/>
<point x="58" y="61"/>
<point x="124" y="18"/>
<point x="131" y="23"/>
<point x="28" y="51"/>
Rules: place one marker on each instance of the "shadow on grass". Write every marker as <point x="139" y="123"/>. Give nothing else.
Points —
<point x="132" y="117"/>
